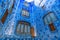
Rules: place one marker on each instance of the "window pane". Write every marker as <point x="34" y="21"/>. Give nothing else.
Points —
<point x="49" y="19"/>
<point x="25" y="29"/>
<point x="53" y="18"/>
<point x="45" y="20"/>
<point x="22" y="28"/>
<point x="19" y="28"/>
<point x="28" y="29"/>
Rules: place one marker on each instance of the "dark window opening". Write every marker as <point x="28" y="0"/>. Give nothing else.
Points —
<point x="4" y="16"/>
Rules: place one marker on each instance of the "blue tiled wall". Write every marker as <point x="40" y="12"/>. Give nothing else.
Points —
<point x="36" y="18"/>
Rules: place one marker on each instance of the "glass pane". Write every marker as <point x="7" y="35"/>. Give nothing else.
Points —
<point x="53" y="18"/>
<point x="49" y="19"/>
<point x="28" y="29"/>
<point x="22" y="28"/>
<point x="45" y="20"/>
<point x="19" y="28"/>
<point x="27" y="13"/>
<point x="25" y="29"/>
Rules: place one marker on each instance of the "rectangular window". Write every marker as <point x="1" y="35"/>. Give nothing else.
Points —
<point x="48" y="19"/>
<point x="25" y="13"/>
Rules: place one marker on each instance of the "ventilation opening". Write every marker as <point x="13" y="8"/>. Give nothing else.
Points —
<point x="4" y="17"/>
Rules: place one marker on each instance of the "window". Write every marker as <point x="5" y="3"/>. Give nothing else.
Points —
<point x="23" y="28"/>
<point x="49" y="19"/>
<point x="26" y="4"/>
<point x="29" y="0"/>
<point x="25" y="13"/>
<point x="4" y="16"/>
<point x="11" y="8"/>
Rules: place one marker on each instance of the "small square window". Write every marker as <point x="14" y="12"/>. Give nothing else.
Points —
<point x="18" y="28"/>
<point x="25" y="13"/>
<point x="26" y="4"/>
<point x="48" y="19"/>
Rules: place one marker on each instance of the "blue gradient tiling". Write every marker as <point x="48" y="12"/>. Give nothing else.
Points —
<point x="42" y="19"/>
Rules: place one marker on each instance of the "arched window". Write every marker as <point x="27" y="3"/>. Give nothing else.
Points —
<point x="49" y="19"/>
<point x="25" y="28"/>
